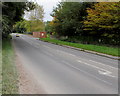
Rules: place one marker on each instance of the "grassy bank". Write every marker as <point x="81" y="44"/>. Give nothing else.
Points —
<point x="9" y="73"/>
<point x="101" y="49"/>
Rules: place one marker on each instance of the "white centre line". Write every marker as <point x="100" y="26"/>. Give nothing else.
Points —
<point x="105" y="73"/>
<point x="103" y="64"/>
<point x="93" y="66"/>
<point x="86" y="73"/>
<point x="100" y="70"/>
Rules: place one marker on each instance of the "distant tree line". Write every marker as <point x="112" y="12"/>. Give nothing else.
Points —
<point x="28" y="26"/>
<point x="34" y="23"/>
<point x="86" y="22"/>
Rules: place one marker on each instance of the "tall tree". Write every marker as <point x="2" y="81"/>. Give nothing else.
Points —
<point x="103" y="20"/>
<point x="37" y="13"/>
<point x="69" y="17"/>
<point x="36" y="18"/>
<point x="48" y="27"/>
<point x="13" y="12"/>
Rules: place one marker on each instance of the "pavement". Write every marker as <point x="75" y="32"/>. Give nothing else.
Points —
<point x="62" y="70"/>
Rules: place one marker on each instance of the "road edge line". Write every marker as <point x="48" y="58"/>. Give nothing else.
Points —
<point x="87" y="51"/>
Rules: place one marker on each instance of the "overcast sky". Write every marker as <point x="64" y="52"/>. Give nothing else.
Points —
<point x="48" y="7"/>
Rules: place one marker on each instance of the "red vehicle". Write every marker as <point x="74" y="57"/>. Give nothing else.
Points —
<point x="39" y="34"/>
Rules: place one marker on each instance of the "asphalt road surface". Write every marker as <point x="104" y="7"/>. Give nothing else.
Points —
<point x="61" y="70"/>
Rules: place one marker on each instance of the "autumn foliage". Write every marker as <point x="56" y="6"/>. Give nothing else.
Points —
<point x="104" y="19"/>
<point x="97" y="22"/>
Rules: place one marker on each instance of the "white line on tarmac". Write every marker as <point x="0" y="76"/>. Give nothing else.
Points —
<point x="92" y="65"/>
<point x="102" y="64"/>
<point x="46" y="46"/>
<point x="105" y="72"/>
<point x="86" y="73"/>
<point x="49" y="54"/>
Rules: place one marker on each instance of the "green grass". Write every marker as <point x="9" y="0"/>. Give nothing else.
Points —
<point x="9" y="73"/>
<point x="96" y="48"/>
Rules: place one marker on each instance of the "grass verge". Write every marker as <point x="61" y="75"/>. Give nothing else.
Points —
<point x="101" y="49"/>
<point x="9" y="72"/>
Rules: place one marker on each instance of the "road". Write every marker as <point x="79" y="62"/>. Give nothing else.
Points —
<point x="61" y="70"/>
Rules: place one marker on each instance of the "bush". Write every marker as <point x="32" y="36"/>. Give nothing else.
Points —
<point x="92" y="40"/>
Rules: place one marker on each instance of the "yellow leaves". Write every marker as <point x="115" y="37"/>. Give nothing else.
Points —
<point x="107" y="0"/>
<point x="54" y="22"/>
<point x="103" y="15"/>
<point x="108" y="27"/>
<point x="37" y="26"/>
<point x="51" y="23"/>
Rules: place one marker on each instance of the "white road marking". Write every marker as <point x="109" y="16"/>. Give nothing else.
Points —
<point x="46" y="46"/>
<point x="92" y="65"/>
<point x="101" y="70"/>
<point x="32" y="43"/>
<point x="65" y="53"/>
<point x="76" y="67"/>
<point x="86" y="72"/>
<point x="49" y="54"/>
<point x="102" y="64"/>
<point x="70" y="54"/>
<point x="105" y="73"/>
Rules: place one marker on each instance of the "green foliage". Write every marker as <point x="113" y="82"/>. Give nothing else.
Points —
<point x="5" y="26"/>
<point x="29" y="26"/>
<point x="103" y="21"/>
<point x="90" y="22"/>
<point x="36" y="26"/>
<point x="48" y="27"/>
<point x="69" y="17"/>
<point x="35" y="22"/>
<point x="19" y="27"/>
<point x="11" y="13"/>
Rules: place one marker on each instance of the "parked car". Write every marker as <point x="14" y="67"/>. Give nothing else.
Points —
<point x="17" y="35"/>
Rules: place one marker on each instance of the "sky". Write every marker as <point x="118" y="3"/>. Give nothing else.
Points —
<point x="48" y="7"/>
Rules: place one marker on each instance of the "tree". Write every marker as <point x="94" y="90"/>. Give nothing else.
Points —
<point x="36" y="26"/>
<point x="20" y="27"/>
<point x="103" y="20"/>
<point x="48" y="27"/>
<point x="36" y="19"/>
<point x="69" y="17"/>
<point x="37" y="13"/>
<point x="29" y="26"/>
<point x="11" y="13"/>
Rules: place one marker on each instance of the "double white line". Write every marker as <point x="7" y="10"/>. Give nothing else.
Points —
<point x="100" y="70"/>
